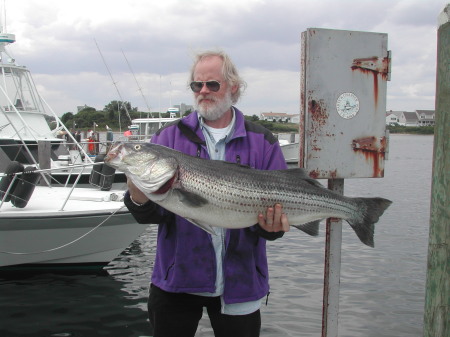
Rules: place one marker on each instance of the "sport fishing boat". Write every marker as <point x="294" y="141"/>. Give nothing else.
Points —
<point x="43" y="224"/>
<point x="25" y="132"/>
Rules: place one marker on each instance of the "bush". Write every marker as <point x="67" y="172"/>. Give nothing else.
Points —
<point x="418" y="130"/>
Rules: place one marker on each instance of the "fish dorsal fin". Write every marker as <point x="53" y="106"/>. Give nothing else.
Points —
<point x="301" y="173"/>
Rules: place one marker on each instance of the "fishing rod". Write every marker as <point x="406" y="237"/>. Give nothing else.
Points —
<point x="115" y="85"/>
<point x="137" y="83"/>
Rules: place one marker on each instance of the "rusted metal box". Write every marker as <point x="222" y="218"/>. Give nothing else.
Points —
<point x="343" y="103"/>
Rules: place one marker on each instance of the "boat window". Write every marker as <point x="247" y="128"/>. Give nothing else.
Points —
<point x="21" y="90"/>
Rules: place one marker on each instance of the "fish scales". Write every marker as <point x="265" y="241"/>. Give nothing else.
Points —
<point x="228" y="193"/>
<point x="215" y="193"/>
<point x="252" y="195"/>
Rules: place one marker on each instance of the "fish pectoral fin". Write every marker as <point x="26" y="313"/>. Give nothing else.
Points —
<point x="310" y="228"/>
<point x="191" y="199"/>
<point x="206" y="228"/>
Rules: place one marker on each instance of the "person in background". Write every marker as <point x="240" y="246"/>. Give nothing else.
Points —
<point x="91" y="142"/>
<point x="78" y="136"/>
<point x="225" y="273"/>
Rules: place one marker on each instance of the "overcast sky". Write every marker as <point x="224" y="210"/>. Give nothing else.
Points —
<point x="56" y="40"/>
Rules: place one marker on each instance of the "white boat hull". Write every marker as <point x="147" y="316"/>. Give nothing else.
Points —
<point x="291" y="152"/>
<point x="41" y="233"/>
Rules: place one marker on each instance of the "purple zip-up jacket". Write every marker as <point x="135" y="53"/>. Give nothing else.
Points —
<point x="185" y="258"/>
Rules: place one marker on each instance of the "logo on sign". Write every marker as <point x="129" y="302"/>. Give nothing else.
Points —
<point x="347" y="105"/>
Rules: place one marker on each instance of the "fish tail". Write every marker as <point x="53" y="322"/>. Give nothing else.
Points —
<point x="371" y="209"/>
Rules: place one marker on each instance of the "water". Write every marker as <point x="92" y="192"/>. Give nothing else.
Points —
<point x="382" y="289"/>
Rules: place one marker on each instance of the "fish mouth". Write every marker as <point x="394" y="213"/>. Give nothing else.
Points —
<point x="113" y="153"/>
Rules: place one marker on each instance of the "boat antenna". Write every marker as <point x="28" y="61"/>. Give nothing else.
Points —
<point x="115" y="85"/>
<point x="137" y="83"/>
<point x="3" y="30"/>
<point x="5" y="38"/>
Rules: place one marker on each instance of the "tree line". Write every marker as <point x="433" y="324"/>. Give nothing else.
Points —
<point x="115" y="115"/>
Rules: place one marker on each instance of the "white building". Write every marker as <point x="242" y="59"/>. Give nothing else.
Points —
<point x="280" y="117"/>
<point x="410" y="118"/>
<point x="425" y="117"/>
<point x="393" y="117"/>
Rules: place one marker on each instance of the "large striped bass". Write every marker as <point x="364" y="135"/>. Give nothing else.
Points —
<point x="216" y="193"/>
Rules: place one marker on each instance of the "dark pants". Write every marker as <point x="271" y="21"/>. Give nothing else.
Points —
<point x="178" y="314"/>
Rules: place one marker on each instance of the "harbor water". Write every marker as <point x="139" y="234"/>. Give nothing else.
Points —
<point x="382" y="289"/>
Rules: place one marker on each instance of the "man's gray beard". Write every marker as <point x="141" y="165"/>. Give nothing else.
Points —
<point x="214" y="112"/>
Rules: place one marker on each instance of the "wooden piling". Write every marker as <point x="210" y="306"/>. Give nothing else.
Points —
<point x="437" y="297"/>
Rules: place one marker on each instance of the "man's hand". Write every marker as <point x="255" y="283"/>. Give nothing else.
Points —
<point x="274" y="220"/>
<point x="136" y="195"/>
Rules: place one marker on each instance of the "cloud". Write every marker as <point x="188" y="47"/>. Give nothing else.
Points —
<point x="55" y="39"/>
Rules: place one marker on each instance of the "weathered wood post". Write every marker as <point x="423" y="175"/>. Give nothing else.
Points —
<point x="437" y="297"/>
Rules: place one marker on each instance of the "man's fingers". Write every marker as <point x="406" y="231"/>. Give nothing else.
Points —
<point x="277" y="215"/>
<point x="274" y="220"/>
<point x="270" y="216"/>
<point x="285" y="223"/>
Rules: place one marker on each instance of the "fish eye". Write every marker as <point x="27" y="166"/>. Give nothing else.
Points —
<point x="137" y="147"/>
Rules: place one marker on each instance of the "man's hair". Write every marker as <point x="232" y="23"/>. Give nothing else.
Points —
<point x="229" y="71"/>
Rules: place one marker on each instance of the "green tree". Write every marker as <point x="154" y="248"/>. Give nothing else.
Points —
<point x="67" y="118"/>
<point x="86" y="117"/>
<point x="114" y="109"/>
<point x="253" y="118"/>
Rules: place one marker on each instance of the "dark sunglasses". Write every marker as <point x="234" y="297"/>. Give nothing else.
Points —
<point x="196" y="86"/>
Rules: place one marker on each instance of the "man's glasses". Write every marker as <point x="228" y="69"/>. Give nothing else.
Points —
<point x="196" y="86"/>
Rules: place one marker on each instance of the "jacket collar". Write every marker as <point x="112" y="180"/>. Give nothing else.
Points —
<point x="190" y="127"/>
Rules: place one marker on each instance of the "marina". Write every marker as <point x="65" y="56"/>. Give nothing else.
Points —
<point x="73" y="262"/>
<point x="382" y="288"/>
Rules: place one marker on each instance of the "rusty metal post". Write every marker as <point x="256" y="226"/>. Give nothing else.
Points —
<point x="342" y="126"/>
<point x="437" y="296"/>
<point x="332" y="269"/>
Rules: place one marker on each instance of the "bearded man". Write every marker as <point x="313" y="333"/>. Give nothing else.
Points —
<point x="226" y="273"/>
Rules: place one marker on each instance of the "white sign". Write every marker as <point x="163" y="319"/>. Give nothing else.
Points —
<point x="347" y="105"/>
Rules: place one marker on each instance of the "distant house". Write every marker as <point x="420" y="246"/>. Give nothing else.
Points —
<point x="425" y="117"/>
<point x="409" y="118"/>
<point x="393" y="117"/>
<point x="280" y="117"/>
